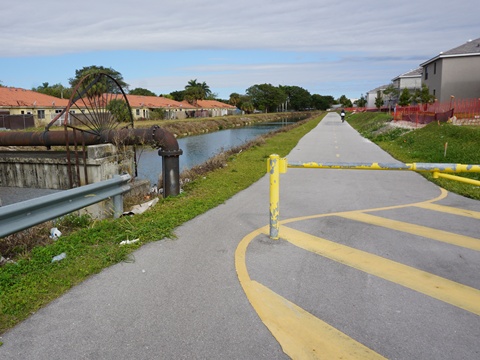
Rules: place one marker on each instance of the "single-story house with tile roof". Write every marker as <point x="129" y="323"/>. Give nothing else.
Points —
<point x="27" y="102"/>
<point x="142" y="106"/>
<point x="455" y="72"/>
<point x="209" y="108"/>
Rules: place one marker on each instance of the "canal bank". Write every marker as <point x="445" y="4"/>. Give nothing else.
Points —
<point x="197" y="149"/>
<point x="189" y="127"/>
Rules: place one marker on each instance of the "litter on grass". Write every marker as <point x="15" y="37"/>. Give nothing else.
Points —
<point x="128" y="242"/>
<point x="139" y="209"/>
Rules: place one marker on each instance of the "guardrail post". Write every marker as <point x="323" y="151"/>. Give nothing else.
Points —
<point x="117" y="206"/>
<point x="274" y="170"/>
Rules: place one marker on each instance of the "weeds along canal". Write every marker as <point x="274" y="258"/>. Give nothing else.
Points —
<point x="199" y="148"/>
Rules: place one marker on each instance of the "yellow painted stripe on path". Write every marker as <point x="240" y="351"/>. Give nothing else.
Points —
<point x="427" y="232"/>
<point x="448" y="291"/>
<point x="450" y="210"/>
<point x="301" y="335"/>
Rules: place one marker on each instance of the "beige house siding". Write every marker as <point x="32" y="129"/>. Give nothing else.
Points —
<point x="455" y="72"/>
<point x="458" y="77"/>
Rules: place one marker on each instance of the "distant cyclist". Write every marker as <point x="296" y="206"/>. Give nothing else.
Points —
<point x="342" y="114"/>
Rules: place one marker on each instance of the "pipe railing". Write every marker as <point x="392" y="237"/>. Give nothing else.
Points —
<point x="277" y="166"/>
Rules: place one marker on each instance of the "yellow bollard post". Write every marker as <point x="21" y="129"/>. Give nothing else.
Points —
<point x="274" y="170"/>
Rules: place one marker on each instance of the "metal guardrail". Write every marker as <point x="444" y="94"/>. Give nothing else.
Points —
<point x="277" y="166"/>
<point x="25" y="214"/>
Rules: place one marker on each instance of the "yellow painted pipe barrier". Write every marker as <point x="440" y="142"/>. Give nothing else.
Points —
<point x="437" y="175"/>
<point x="277" y="165"/>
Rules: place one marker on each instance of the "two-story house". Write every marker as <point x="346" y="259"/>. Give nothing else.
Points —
<point x="455" y="72"/>
<point x="410" y="80"/>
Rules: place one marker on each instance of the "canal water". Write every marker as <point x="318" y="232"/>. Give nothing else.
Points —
<point x="199" y="148"/>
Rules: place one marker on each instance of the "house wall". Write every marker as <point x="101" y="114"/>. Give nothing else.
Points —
<point x="457" y="76"/>
<point x="461" y="78"/>
<point x="411" y="83"/>
<point x="432" y="77"/>
<point x="371" y="96"/>
<point x="42" y="115"/>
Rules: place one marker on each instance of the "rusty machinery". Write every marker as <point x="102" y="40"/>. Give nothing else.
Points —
<point x="98" y="112"/>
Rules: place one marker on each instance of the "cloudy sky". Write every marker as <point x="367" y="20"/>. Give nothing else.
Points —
<point x="330" y="48"/>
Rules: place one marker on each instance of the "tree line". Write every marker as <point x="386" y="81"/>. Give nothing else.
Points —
<point x="259" y="97"/>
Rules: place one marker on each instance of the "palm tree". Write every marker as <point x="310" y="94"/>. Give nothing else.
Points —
<point x="195" y="91"/>
<point x="234" y="99"/>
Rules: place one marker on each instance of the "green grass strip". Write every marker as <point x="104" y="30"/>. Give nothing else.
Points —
<point x="434" y="143"/>
<point x="33" y="281"/>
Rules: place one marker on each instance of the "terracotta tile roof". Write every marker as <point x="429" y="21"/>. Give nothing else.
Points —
<point x="214" y="104"/>
<point x="16" y="97"/>
<point x="187" y="105"/>
<point x="207" y="104"/>
<point x="152" y="102"/>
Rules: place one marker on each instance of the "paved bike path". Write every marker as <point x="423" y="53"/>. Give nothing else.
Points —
<point x="182" y="298"/>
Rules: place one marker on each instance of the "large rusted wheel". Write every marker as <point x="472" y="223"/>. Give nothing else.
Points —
<point x="97" y="103"/>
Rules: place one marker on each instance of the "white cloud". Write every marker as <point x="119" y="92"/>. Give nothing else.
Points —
<point x="302" y="25"/>
<point x="338" y="44"/>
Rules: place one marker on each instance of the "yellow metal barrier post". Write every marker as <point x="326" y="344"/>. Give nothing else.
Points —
<point x="275" y="166"/>
<point x="274" y="170"/>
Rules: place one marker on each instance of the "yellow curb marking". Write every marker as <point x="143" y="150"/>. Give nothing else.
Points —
<point x="450" y="210"/>
<point x="301" y="335"/>
<point x="426" y="232"/>
<point x="448" y="291"/>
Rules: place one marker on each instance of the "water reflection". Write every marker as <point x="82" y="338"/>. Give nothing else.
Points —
<point x="199" y="148"/>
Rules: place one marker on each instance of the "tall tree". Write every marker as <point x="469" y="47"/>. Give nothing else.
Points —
<point x="195" y="91"/>
<point x="344" y="101"/>
<point x="362" y="101"/>
<point x="297" y="98"/>
<point x="107" y="87"/>
<point x="57" y="90"/>
<point x="178" y="95"/>
<point x="391" y="95"/>
<point x="405" y="98"/>
<point x="423" y="96"/>
<point x="266" y="97"/>
<point x="234" y="99"/>
<point x="379" y="100"/>
<point x="321" y="102"/>
<point x="141" y="92"/>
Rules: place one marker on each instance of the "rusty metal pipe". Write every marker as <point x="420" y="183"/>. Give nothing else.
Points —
<point x="154" y="136"/>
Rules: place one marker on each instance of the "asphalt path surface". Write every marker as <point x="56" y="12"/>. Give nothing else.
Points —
<point x="370" y="264"/>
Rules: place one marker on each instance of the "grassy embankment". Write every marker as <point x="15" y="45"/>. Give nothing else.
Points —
<point x="33" y="281"/>
<point x="427" y="145"/>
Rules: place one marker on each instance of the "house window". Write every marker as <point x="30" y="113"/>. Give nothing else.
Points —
<point x="137" y="112"/>
<point x="426" y="72"/>
<point x="434" y="92"/>
<point x="57" y="111"/>
<point x="434" y="68"/>
<point x="41" y="114"/>
<point x="22" y="112"/>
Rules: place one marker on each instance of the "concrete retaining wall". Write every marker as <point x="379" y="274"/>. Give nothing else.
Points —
<point x="49" y="169"/>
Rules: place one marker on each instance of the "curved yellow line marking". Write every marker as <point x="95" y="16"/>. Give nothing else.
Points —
<point x="450" y="210"/>
<point x="451" y="292"/>
<point x="443" y="195"/>
<point x="414" y="229"/>
<point x="300" y="334"/>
